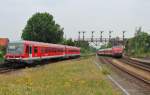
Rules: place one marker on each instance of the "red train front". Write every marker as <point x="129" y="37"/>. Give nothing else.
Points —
<point x="117" y="51"/>
<point x="28" y="51"/>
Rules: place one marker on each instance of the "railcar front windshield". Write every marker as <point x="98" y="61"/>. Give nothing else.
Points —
<point x="15" y="48"/>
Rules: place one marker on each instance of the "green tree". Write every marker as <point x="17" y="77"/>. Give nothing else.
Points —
<point x="139" y="45"/>
<point x="69" y="42"/>
<point x="41" y="27"/>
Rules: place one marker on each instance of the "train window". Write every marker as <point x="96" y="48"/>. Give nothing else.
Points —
<point x="50" y="50"/>
<point x="42" y="50"/>
<point x="53" y="49"/>
<point x="61" y="50"/>
<point x="46" y="50"/>
<point x="30" y="50"/>
<point x="35" y="50"/>
<point x="56" y="50"/>
<point x="15" y="48"/>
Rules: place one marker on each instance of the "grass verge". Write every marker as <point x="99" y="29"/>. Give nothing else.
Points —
<point x="72" y="77"/>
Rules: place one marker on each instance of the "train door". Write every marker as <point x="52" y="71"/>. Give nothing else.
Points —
<point x="30" y="51"/>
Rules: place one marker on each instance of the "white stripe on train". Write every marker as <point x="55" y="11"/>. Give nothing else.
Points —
<point x="44" y="57"/>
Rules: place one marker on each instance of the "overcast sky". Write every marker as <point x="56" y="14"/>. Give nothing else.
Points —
<point x="75" y="15"/>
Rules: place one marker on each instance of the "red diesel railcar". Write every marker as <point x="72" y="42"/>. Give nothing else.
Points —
<point x="116" y="51"/>
<point x="28" y="51"/>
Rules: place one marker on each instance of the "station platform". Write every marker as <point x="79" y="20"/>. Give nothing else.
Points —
<point x="144" y="60"/>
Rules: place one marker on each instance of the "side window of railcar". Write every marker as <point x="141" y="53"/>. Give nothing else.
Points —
<point x="52" y="50"/>
<point x="60" y="50"/>
<point x="45" y="50"/>
<point x="42" y="49"/>
<point x="35" y="50"/>
<point x="49" y="50"/>
<point x="55" y="50"/>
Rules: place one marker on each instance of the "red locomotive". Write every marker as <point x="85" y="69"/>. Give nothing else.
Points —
<point x="29" y="51"/>
<point x="116" y="51"/>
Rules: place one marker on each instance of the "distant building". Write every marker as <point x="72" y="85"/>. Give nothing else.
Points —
<point x="4" y="42"/>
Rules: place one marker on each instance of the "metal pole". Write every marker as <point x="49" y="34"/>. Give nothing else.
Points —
<point x="92" y="36"/>
<point x="83" y="35"/>
<point x="123" y="37"/>
<point x="96" y="42"/>
<point x="110" y="35"/>
<point x="79" y="35"/>
<point x="105" y="41"/>
<point x="101" y="37"/>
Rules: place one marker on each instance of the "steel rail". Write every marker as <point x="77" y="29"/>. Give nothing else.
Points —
<point x="107" y="60"/>
<point x="137" y="64"/>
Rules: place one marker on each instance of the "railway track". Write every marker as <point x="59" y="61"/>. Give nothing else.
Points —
<point x="138" y="70"/>
<point x="5" y="69"/>
<point x="142" y="65"/>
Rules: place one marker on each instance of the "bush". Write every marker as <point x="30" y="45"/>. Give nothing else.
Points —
<point x="1" y="54"/>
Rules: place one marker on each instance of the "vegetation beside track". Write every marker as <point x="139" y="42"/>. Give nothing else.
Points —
<point x="72" y="77"/>
<point x="2" y="53"/>
<point x="1" y="56"/>
<point x="138" y="46"/>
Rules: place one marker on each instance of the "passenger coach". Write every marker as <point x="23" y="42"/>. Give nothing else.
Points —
<point x="29" y="51"/>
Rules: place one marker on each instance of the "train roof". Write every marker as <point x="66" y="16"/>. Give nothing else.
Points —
<point x="119" y="46"/>
<point x="114" y="47"/>
<point x="105" y="49"/>
<point x="42" y="43"/>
